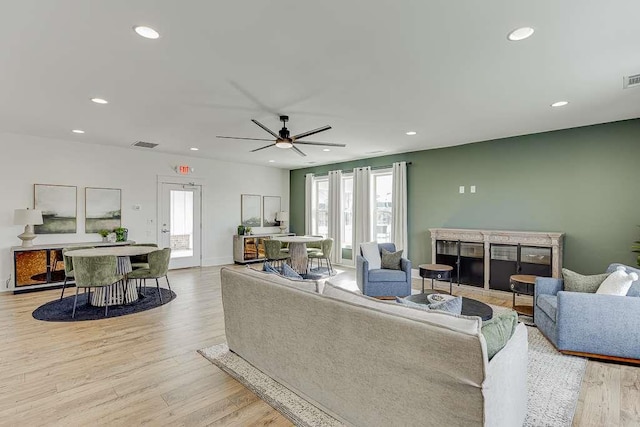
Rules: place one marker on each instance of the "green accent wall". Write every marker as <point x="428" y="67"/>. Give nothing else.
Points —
<point x="581" y="181"/>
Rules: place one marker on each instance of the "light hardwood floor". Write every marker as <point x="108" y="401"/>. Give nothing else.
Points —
<point x="144" y="369"/>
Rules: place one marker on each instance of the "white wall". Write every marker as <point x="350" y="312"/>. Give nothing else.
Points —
<point x="27" y="160"/>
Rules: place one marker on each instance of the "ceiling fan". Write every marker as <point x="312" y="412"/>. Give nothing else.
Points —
<point x="283" y="140"/>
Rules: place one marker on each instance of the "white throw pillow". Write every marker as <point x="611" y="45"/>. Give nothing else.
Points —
<point x="371" y="253"/>
<point x="618" y="282"/>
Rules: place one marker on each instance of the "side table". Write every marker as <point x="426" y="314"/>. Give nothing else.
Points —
<point x="436" y="272"/>
<point x="523" y="284"/>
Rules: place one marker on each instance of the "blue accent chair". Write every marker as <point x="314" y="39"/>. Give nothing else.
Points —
<point x="382" y="282"/>
<point x="598" y="325"/>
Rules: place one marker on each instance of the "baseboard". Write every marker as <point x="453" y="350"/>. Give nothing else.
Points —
<point x="212" y="262"/>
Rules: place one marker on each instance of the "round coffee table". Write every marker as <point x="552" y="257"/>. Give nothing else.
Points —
<point x="470" y="307"/>
<point x="436" y="272"/>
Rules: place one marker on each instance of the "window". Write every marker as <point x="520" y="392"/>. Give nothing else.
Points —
<point x="320" y="206"/>
<point x="346" y="222"/>
<point x="381" y="219"/>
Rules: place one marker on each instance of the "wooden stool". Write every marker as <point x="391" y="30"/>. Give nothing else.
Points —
<point x="523" y="284"/>
<point x="436" y="271"/>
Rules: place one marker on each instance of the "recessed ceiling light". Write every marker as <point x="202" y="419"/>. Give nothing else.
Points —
<point x="146" y="32"/>
<point x="77" y="131"/>
<point x="520" y="34"/>
<point x="99" y="101"/>
<point x="194" y="149"/>
<point x="411" y="132"/>
<point x="560" y="104"/>
<point x="271" y="161"/>
<point x="326" y="149"/>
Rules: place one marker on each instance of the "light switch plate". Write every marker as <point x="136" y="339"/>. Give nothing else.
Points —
<point x="462" y="189"/>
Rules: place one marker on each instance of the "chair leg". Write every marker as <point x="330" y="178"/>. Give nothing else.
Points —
<point x="168" y="284"/>
<point x="75" y="301"/>
<point x="106" y="300"/>
<point x="63" y="286"/>
<point x="159" y="293"/>
<point x="330" y="267"/>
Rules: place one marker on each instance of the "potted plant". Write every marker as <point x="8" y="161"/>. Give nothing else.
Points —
<point x="104" y="234"/>
<point x="247" y="231"/>
<point x="121" y="234"/>
<point x="636" y="248"/>
<point x="241" y="230"/>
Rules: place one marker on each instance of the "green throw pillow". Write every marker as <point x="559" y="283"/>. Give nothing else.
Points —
<point x="574" y="282"/>
<point x="391" y="260"/>
<point x="498" y="330"/>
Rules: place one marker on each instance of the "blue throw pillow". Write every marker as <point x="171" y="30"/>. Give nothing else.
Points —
<point x="290" y="272"/>
<point x="268" y="268"/>
<point x="453" y="305"/>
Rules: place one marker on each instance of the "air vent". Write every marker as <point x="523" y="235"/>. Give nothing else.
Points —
<point x="631" y="81"/>
<point x="143" y="144"/>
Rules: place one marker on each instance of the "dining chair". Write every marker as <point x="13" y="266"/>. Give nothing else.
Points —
<point x="141" y="261"/>
<point x="97" y="272"/>
<point x="274" y="253"/>
<point x="314" y="246"/>
<point x="158" y="267"/>
<point x="68" y="265"/>
<point x="326" y="246"/>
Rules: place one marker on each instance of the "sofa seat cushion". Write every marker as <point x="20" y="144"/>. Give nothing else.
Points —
<point x="548" y="304"/>
<point x="384" y="275"/>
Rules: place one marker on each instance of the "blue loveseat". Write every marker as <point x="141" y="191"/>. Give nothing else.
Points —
<point x="382" y="282"/>
<point x="594" y="325"/>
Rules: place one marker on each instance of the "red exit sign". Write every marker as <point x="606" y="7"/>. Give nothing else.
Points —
<point x="184" y="170"/>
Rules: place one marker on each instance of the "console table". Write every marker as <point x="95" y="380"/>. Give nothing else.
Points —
<point x="488" y="258"/>
<point x="42" y="266"/>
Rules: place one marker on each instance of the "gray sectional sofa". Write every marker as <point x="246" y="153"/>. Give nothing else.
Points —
<point x="371" y="362"/>
<point x="589" y="324"/>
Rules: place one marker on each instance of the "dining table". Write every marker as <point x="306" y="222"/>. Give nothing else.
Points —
<point x="298" y="250"/>
<point x="123" y="254"/>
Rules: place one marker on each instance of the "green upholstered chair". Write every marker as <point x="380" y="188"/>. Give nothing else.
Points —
<point x="326" y="246"/>
<point x="158" y="267"/>
<point x="141" y="261"/>
<point x="314" y="246"/>
<point x="273" y="252"/>
<point x="96" y="272"/>
<point x="68" y="265"/>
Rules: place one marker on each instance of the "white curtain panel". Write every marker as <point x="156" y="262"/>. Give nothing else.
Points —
<point x="399" y="234"/>
<point x="335" y="214"/>
<point x="361" y="208"/>
<point x="308" y="203"/>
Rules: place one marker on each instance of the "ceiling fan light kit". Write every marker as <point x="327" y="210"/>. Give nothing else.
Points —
<point x="283" y="138"/>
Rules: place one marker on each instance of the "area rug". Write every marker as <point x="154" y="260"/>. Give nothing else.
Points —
<point x="554" y="385"/>
<point x="60" y="310"/>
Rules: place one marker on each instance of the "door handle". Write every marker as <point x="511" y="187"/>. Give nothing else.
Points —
<point x="164" y="230"/>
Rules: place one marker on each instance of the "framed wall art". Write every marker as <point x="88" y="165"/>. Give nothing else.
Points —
<point x="103" y="209"/>
<point x="270" y="208"/>
<point x="250" y="215"/>
<point x="59" y="206"/>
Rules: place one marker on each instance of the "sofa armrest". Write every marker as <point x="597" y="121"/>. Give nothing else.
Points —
<point x="362" y="272"/>
<point x="405" y="265"/>
<point x="599" y="324"/>
<point x="548" y="286"/>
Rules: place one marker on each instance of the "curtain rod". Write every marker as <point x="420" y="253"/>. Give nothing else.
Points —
<point x="373" y="168"/>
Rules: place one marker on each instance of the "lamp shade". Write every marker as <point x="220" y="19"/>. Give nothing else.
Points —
<point x="282" y="216"/>
<point x="27" y="217"/>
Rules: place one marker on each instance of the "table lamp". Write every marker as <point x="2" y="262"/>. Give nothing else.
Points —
<point x="282" y="217"/>
<point x="28" y="218"/>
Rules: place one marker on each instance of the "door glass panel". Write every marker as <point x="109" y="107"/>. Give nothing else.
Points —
<point x="181" y="209"/>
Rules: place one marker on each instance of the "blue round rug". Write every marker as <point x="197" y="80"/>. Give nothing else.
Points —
<point x="60" y="310"/>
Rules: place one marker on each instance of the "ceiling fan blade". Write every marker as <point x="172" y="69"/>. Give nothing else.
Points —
<point x="262" y="148"/>
<point x="275" y="135"/>
<point x="298" y="151"/>
<point x="327" y="144"/>
<point x="237" y="137"/>
<point x="311" y="132"/>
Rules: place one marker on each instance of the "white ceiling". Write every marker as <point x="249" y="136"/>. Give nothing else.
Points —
<point x="372" y="70"/>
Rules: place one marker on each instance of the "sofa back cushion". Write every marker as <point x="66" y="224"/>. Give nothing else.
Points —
<point x="634" y="290"/>
<point x="464" y="324"/>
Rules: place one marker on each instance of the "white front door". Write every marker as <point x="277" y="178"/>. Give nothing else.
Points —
<point x="180" y="227"/>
